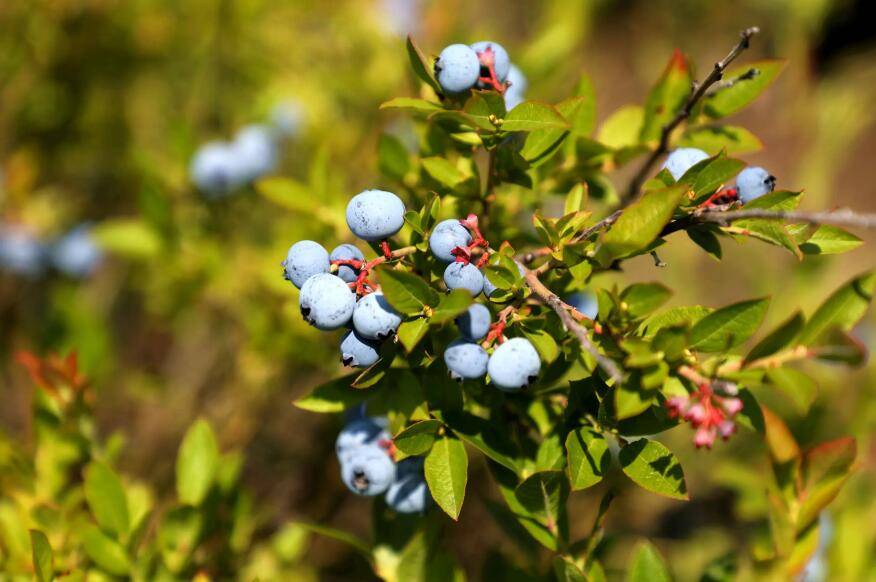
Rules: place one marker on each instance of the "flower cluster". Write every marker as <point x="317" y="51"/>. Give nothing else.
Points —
<point x="710" y="414"/>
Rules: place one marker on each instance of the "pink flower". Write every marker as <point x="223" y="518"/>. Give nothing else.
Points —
<point x="704" y="437"/>
<point x="696" y="414"/>
<point x="727" y="428"/>
<point x="732" y="406"/>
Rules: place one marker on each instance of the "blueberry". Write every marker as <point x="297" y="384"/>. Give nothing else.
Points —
<point x="367" y="470"/>
<point x="366" y="431"/>
<point x="682" y="160"/>
<point x="446" y="236"/>
<point x="466" y="360"/>
<point x="375" y="215"/>
<point x="514" y="365"/>
<point x="464" y="276"/>
<point x="21" y="252"/>
<point x="347" y="252"/>
<point x="77" y="254"/>
<point x="753" y="183"/>
<point x="489" y="287"/>
<point x="374" y="318"/>
<point x="326" y="302"/>
<point x="475" y="322"/>
<point x="585" y="302"/>
<point x="457" y="68"/>
<point x="501" y="62"/>
<point x="515" y="93"/>
<point x="304" y="260"/>
<point x="409" y="493"/>
<point x="215" y="169"/>
<point x="357" y="351"/>
<point x="255" y="149"/>
<point x="287" y="118"/>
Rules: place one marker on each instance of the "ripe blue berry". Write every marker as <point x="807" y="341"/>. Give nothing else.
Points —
<point x="457" y="68"/>
<point x="357" y="351"/>
<point x="365" y="431"/>
<point x="409" y="493"/>
<point x="255" y="150"/>
<point x="347" y="252"/>
<point x="374" y="318"/>
<point x="326" y="302"/>
<point x="77" y="254"/>
<point x="446" y="236"/>
<point x="215" y="170"/>
<point x="475" y="322"/>
<point x="753" y="183"/>
<point x="367" y="470"/>
<point x="501" y="62"/>
<point x="682" y="160"/>
<point x="489" y="287"/>
<point x="585" y="302"/>
<point x="375" y="215"/>
<point x="464" y="276"/>
<point x="466" y="360"/>
<point x="514" y="365"/>
<point x="20" y="252"/>
<point x="516" y="91"/>
<point x="304" y="260"/>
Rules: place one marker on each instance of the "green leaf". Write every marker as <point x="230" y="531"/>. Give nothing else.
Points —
<point x="799" y="388"/>
<point x="714" y="175"/>
<point x="825" y="470"/>
<point x="544" y="494"/>
<point x="743" y="90"/>
<point x="648" y="565"/>
<point x="451" y="305"/>
<point x="653" y="467"/>
<point x="446" y="469"/>
<point x="830" y="240"/>
<point x="106" y="498"/>
<point x="340" y="536"/>
<point x="106" y="552"/>
<point x="622" y="128"/>
<point x="410" y="333"/>
<point x="411" y="104"/>
<point x="666" y="97"/>
<point x="576" y="198"/>
<point x="333" y="396"/>
<point x="484" y="105"/>
<point x="533" y="116"/>
<point x="543" y="342"/>
<point x="423" y="68"/>
<point x="843" y="309"/>
<point x="443" y="171"/>
<point x="729" y="326"/>
<point x="677" y="316"/>
<point x="567" y="571"/>
<point x="540" y="145"/>
<point x="418" y="438"/>
<point x="713" y="139"/>
<point x="707" y="240"/>
<point x="407" y="293"/>
<point x="128" y="237"/>
<point x="643" y="298"/>
<point x="393" y="159"/>
<point x="778" y="339"/>
<point x="641" y="222"/>
<point x="485" y="437"/>
<point x="588" y="457"/>
<point x="179" y="532"/>
<point x="196" y="463"/>
<point x="43" y="558"/>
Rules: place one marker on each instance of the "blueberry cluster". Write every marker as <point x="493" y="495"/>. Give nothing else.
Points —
<point x="335" y="289"/>
<point x="751" y="183"/>
<point x="482" y="65"/>
<point x="513" y="365"/>
<point x="220" y="168"/>
<point x="365" y="453"/>
<point x="75" y="254"/>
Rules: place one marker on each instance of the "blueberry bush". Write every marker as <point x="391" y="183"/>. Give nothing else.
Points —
<point x="498" y="373"/>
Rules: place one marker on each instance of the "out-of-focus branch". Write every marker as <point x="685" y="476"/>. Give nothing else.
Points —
<point x="698" y="91"/>
<point x="836" y="218"/>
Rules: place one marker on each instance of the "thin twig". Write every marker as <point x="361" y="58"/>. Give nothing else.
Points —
<point x="837" y="217"/>
<point x="697" y="93"/>
<point x="530" y="256"/>
<point x="550" y="299"/>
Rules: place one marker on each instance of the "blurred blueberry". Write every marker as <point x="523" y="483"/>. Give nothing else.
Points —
<point x="256" y="152"/>
<point x="585" y="302"/>
<point x="77" y="253"/>
<point x="215" y="169"/>
<point x="21" y="252"/>
<point x="401" y="17"/>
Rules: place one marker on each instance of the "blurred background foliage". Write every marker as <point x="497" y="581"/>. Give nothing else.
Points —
<point x="103" y="102"/>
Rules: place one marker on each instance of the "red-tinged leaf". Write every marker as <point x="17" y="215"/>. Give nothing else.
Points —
<point x="783" y="446"/>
